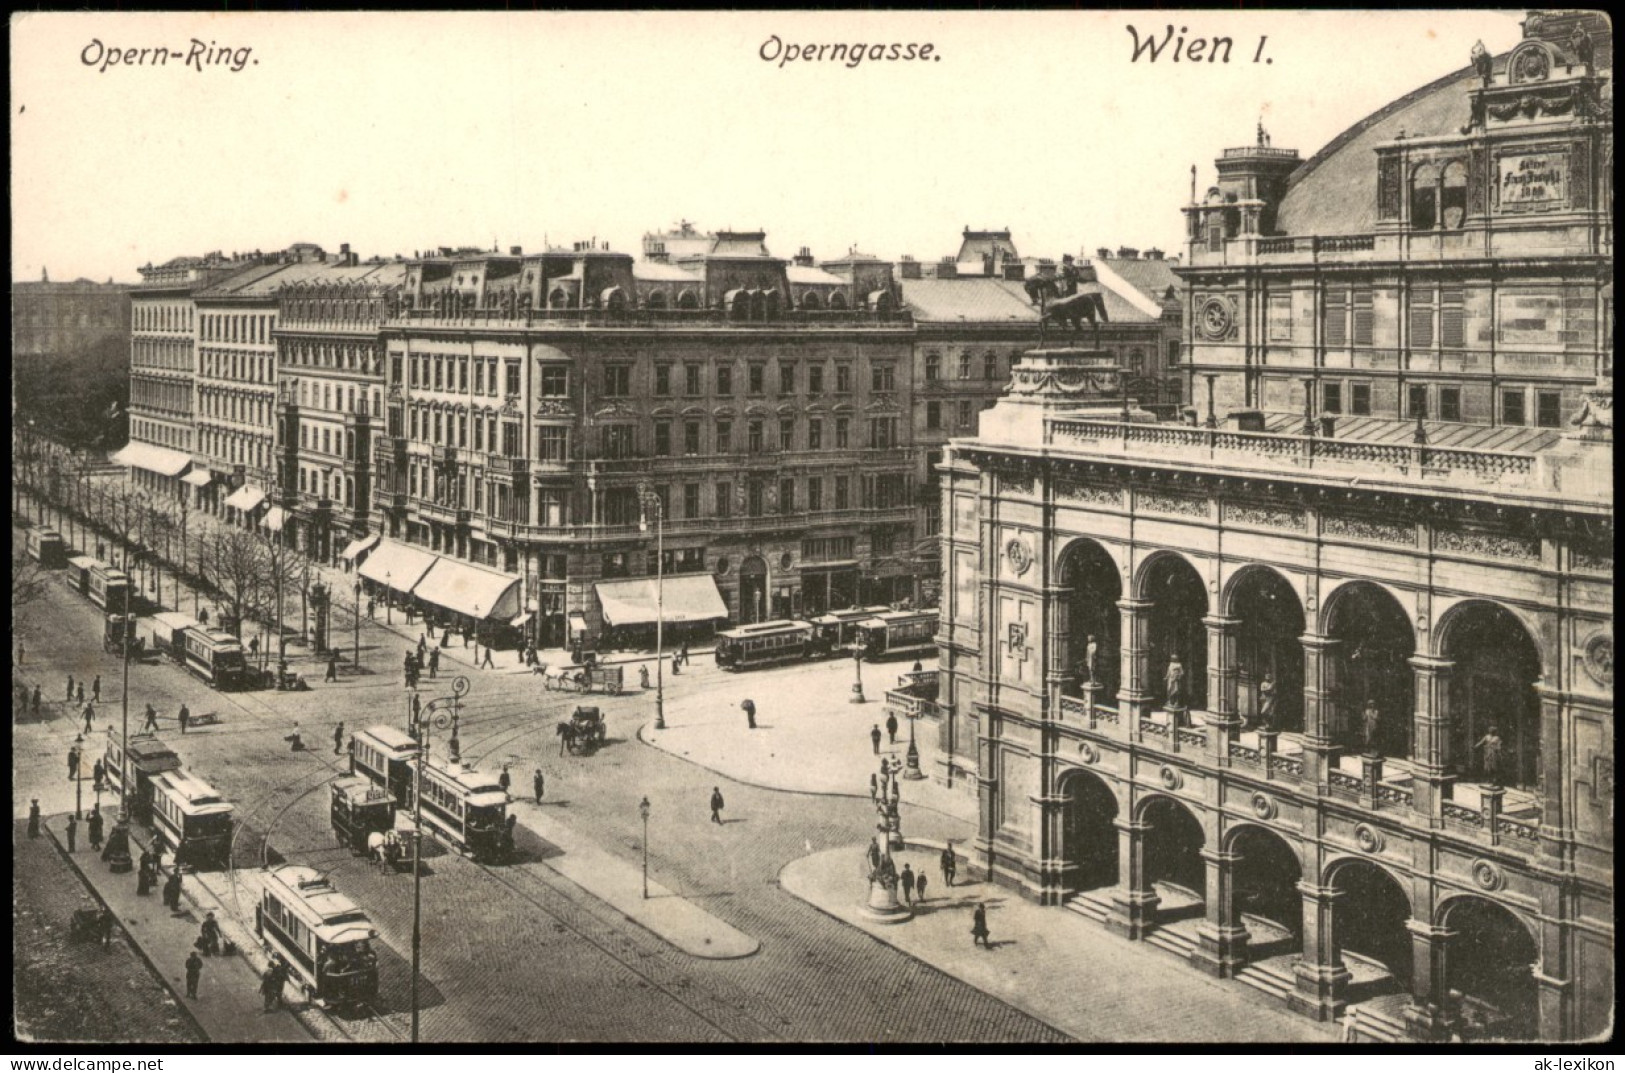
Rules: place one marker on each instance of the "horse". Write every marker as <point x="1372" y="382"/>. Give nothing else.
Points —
<point x="383" y="847"/>
<point x="567" y="737"/>
<point x="1074" y="310"/>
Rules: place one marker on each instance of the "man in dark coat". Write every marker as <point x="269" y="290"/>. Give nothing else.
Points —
<point x="96" y="690"/>
<point x="891" y="727"/>
<point x="486" y="662"/>
<point x="184" y="717"/>
<point x="907" y="881"/>
<point x="749" y="707"/>
<point x="79" y="694"/>
<point x="74" y="757"/>
<point x="949" y="866"/>
<point x="874" y="737"/>
<point x="209" y="936"/>
<point x="33" y="818"/>
<point x="73" y="832"/>
<point x="434" y="663"/>
<point x="978" y="928"/>
<point x="94" y="828"/>
<point x="70" y="687"/>
<point x="716" y="804"/>
<point x="194" y="969"/>
<point x="152" y="720"/>
<point x="540" y="784"/>
<point x="338" y="738"/>
<point x="504" y="780"/>
<point x="172" y="890"/>
<point x="332" y="667"/>
<point x="104" y="926"/>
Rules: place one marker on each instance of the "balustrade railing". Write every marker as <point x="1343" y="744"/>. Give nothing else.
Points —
<point x="1287" y="765"/>
<point x="1190" y="736"/>
<point x="1396" y="795"/>
<point x="1462" y="814"/>
<point x="1342" y="780"/>
<point x="1524" y="831"/>
<point x="1245" y="754"/>
<point x="1148" y="726"/>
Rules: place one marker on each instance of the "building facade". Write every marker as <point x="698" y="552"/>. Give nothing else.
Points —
<point x="1313" y="705"/>
<point x="70" y="346"/>
<point x="540" y="406"/>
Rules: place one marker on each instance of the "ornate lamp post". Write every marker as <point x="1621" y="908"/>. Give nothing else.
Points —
<point x="913" y="772"/>
<point x="389" y="599"/>
<point x="857" y="675"/>
<point x="443" y="718"/>
<point x="358" y="621"/>
<point x="650" y="501"/>
<point x="643" y="810"/>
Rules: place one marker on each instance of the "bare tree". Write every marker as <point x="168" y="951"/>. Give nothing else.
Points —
<point x="283" y="571"/>
<point x="28" y="580"/>
<point x="238" y="559"/>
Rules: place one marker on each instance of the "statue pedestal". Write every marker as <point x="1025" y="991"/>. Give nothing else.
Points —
<point x="883" y="907"/>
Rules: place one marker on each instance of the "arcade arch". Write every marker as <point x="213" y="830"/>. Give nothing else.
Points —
<point x="1490" y="959"/>
<point x="1269" y="660"/>
<point x="1264" y="882"/>
<point x="1173" y="855"/>
<point x="1088" y="833"/>
<point x="1375" y="645"/>
<point x="1091" y="573"/>
<point x="1371" y="915"/>
<point x="1178" y="604"/>
<point x="1492" y="696"/>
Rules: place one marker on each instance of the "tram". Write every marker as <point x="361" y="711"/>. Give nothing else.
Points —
<point x="323" y="936"/>
<point x="192" y="818"/>
<point x="464" y="806"/>
<point x="216" y="657"/>
<point x="758" y="645"/>
<point x="383" y="756"/>
<point x="165" y="633"/>
<point x="838" y="629"/>
<point x="46" y="547"/>
<point x="118" y="635"/>
<point x="79" y="568"/>
<point x="899" y="633"/>
<point x="148" y="758"/>
<point x="109" y="588"/>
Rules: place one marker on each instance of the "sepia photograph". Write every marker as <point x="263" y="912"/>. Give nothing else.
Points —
<point x="846" y="529"/>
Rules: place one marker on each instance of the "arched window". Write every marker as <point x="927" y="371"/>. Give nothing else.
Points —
<point x="1424" y="198"/>
<point x="656" y="300"/>
<point x="811" y="301"/>
<point x="688" y="300"/>
<point x="1453" y="196"/>
<point x="837" y="300"/>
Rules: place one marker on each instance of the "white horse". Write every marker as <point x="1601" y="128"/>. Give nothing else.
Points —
<point x="384" y="847"/>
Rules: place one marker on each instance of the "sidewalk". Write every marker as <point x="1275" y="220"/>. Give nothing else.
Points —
<point x="1051" y="963"/>
<point x="229" y="1008"/>
<point x="619" y="885"/>
<point x="807" y="715"/>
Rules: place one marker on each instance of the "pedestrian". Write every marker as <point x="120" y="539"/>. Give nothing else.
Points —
<point x="434" y="663"/>
<point x="949" y="866"/>
<point x="907" y="880"/>
<point x="90" y="716"/>
<point x="917" y="667"/>
<point x="271" y="988"/>
<point x="683" y="653"/>
<point x="79" y="694"/>
<point x="254" y="646"/>
<point x="372" y="607"/>
<point x="423" y="644"/>
<point x="209" y="936"/>
<point x="676" y="666"/>
<point x="919" y="885"/>
<point x="21" y="652"/>
<point x="70" y="688"/>
<point x="74" y="757"/>
<point x="172" y="890"/>
<point x="749" y="707"/>
<point x="417" y="708"/>
<point x="33" y="818"/>
<point x="96" y="690"/>
<point x="152" y="720"/>
<point x="194" y="968"/>
<point x="143" y="876"/>
<point x="874" y="787"/>
<point x="99" y="771"/>
<point x="643" y="675"/>
<point x="73" y="833"/>
<point x="874" y="736"/>
<point x="332" y="667"/>
<point x="978" y="927"/>
<point x="716" y="804"/>
<point x="105" y="927"/>
<point x="36" y="702"/>
<point x="487" y="661"/>
<point x="338" y="738"/>
<point x="93" y="828"/>
<point x="184" y="717"/>
<point x="504" y="780"/>
<point x="891" y="727"/>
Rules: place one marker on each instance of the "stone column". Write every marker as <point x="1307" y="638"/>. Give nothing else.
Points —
<point x="1430" y="734"/>
<point x="1056" y="671"/>
<point x="1223" y="940"/>
<point x="1052" y="863"/>
<point x="1556" y="804"/>
<point x="1320" y="975"/>
<point x="1320" y="708"/>
<point x="1134" y="902"/>
<point x="1556" y="1006"/>
<point x="1224" y="721"/>
<point x="1133" y="691"/>
<point x="1428" y="1016"/>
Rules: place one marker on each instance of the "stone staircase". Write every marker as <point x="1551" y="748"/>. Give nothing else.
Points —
<point x="1178" y="937"/>
<point x="1380" y="1020"/>
<point x="1272" y="975"/>
<point x="1094" y="904"/>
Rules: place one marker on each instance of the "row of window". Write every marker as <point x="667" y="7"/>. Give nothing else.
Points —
<point x="966" y="413"/>
<point x="1436" y="317"/>
<point x="1447" y="403"/>
<point x="169" y="317"/>
<point x="353" y="357"/>
<point x="331" y="485"/>
<point x="175" y="354"/>
<point x="620" y="441"/>
<point x="338" y="398"/>
<point x="617" y="378"/>
<point x="443" y="428"/>
<point x="232" y="365"/>
<point x="235" y="448"/>
<point x="170" y="395"/>
<point x="161" y="434"/>
<point x="236" y="327"/>
<point x="336" y="442"/>
<point x="234" y="406"/>
<point x="967" y="363"/>
<point x="450" y="372"/>
<point x="671" y="561"/>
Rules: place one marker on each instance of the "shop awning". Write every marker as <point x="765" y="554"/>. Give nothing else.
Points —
<point x="245" y="498"/>
<point x="685" y="598"/>
<point x="359" y="547"/>
<point x="578" y="623"/>
<point x="397" y="565"/>
<point x="274" y="519"/>
<point x="469" y="590"/>
<point x="198" y="478"/>
<point x="149" y="456"/>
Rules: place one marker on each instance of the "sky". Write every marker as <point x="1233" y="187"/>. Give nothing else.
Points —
<point x="401" y="132"/>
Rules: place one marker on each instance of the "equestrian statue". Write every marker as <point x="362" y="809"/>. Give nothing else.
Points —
<point x="1061" y="302"/>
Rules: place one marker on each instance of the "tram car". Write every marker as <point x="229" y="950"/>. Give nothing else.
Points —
<point x="109" y="588"/>
<point x="359" y="810"/>
<point x="216" y="657"/>
<point x="837" y="630"/>
<point x="464" y="807"/>
<point x="147" y="758"/>
<point x="79" y="568"/>
<point x="895" y="634"/>
<point x="165" y="634"/>
<point x="192" y="819"/>
<point x="119" y="635"/>
<point x="323" y="936"/>
<point x="46" y="547"/>
<point x="764" y="643"/>
<point x="383" y="756"/>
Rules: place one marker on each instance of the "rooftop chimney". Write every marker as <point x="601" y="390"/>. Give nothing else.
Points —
<point x="910" y="267"/>
<point x="1127" y="253"/>
<point x="1153" y="254"/>
<point x="1104" y="254"/>
<point x="1015" y="271"/>
<point x="948" y="268"/>
<point x="516" y="251"/>
<point x="804" y="258"/>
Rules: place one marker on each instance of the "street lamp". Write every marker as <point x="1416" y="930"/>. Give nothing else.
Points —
<point x="79" y="777"/>
<point x="389" y="599"/>
<point x="358" y="622"/>
<point x="643" y="810"/>
<point x="442" y="719"/>
<point x="648" y="500"/>
<point x="857" y="673"/>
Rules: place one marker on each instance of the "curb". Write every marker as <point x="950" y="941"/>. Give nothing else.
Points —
<point x="129" y="940"/>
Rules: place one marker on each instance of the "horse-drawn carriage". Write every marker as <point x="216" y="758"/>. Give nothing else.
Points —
<point x="584" y="732"/>
<point x="585" y="679"/>
<point x="366" y="822"/>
